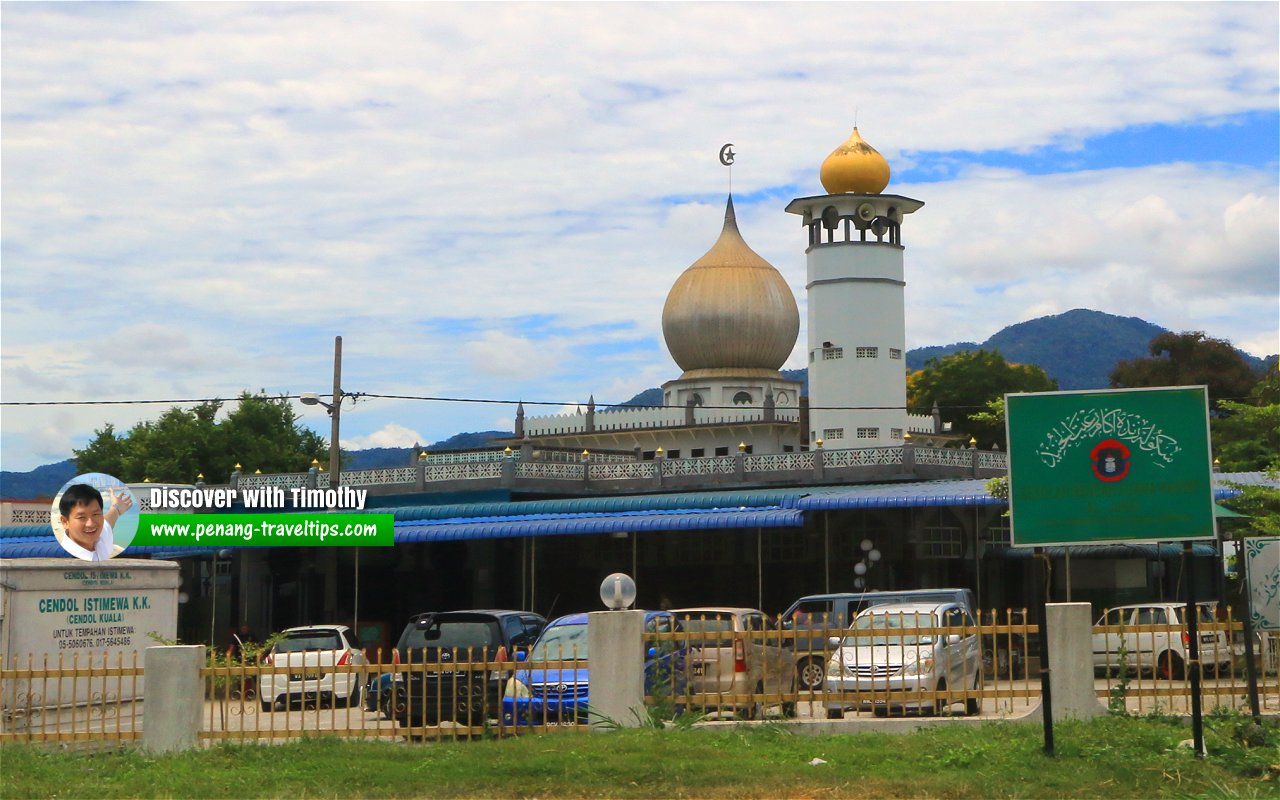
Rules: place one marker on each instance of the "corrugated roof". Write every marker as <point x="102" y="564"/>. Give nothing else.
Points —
<point x="576" y="524"/>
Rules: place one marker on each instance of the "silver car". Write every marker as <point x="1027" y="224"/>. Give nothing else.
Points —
<point x="733" y="654"/>
<point x="880" y="659"/>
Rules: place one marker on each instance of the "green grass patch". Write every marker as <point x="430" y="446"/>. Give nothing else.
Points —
<point x="1107" y="757"/>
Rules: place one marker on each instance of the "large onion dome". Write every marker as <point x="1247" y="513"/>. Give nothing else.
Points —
<point x="730" y="313"/>
<point x="855" y="166"/>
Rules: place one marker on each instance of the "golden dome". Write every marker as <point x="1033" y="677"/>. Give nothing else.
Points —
<point x="730" y="312"/>
<point x="855" y="166"/>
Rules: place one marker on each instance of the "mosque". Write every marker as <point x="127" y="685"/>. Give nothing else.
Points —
<point x="738" y="490"/>
<point x="731" y="321"/>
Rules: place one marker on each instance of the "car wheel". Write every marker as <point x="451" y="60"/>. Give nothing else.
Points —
<point x="835" y="713"/>
<point x="881" y="710"/>
<point x="973" y="705"/>
<point x="812" y="674"/>
<point x="756" y="709"/>
<point x="940" y="706"/>
<point x="1169" y="666"/>
<point x="266" y="706"/>
<point x="353" y="699"/>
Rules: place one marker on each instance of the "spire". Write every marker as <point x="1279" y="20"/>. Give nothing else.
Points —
<point x="519" y="431"/>
<point x="730" y="218"/>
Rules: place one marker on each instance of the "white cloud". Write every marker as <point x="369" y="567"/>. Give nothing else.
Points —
<point x="390" y="435"/>
<point x="198" y="197"/>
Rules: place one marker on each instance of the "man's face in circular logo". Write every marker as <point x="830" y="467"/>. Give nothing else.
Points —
<point x="1110" y="460"/>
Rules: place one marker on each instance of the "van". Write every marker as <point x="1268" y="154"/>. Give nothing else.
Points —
<point x="817" y="617"/>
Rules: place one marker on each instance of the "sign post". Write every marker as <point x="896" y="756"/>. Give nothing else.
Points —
<point x="1113" y="466"/>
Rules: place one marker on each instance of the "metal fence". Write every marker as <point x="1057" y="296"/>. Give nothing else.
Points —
<point x="702" y="669"/>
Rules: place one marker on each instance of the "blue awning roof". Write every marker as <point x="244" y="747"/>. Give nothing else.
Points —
<point x="571" y="524"/>
<point x="708" y="510"/>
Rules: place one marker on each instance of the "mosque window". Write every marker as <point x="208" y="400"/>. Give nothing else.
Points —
<point x="895" y="353"/>
<point x="832" y="433"/>
<point x="722" y="451"/>
<point x="895" y="433"/>
<point x="696" y="399"/>
<point x="742" y="399"/>
<point x="832" y="353"/>
<point x="941" y="542"/>
<point x="868" y="433"/>
<point x="697" y="452"/>
<point x="673" y="454"/>
<point x="868" y="352"/>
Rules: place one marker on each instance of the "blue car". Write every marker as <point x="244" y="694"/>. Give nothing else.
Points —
<point x="385" y="693"/>
<point x="559" y="695"/>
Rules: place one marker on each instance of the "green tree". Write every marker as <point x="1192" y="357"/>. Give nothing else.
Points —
<point x="260" y="433"/>
<point x="962" y="384"/>
<point x="1189" y="359"/>
<point x="1246" y="436"/>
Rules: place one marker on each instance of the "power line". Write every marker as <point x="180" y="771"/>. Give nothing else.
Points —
<point x="473" y="400"/>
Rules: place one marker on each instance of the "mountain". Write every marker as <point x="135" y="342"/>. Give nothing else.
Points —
<point x="1078" y="348"/>
<point x="40" y="482"/>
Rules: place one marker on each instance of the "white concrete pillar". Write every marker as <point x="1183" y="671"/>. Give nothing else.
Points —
<point x="615" y="648"/>
<point x="174" y="698"/>
<point x="1070" y="631"/>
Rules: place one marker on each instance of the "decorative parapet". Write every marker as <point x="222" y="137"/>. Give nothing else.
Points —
<point x="285" y="480"/>
<point x="920" y="423"/>
<point x="863" y="457"/>
<point x="993" y="460"/>
<point x="548" y="470"/>
<point x="625" y="419"/>
<point x="778" y="462"/>
<point x="464" y="457"/>
<point x="464" y="472"/>
<point x="377" y="477"/>
<point x="721" y="465"/>
<point x="612" y="470"/>
<point x="619" y="472"/>
<point x="943" y="457"/>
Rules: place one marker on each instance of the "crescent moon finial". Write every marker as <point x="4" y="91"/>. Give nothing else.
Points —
<point x="727" y="154"/>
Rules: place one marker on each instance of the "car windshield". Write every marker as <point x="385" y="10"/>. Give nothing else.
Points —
<point x="452" y="633"/>
<point x="877" y="629"/>
<point x="709" y="630"/>
<point x="561" y="643"/>
<point x="298" y="641"/>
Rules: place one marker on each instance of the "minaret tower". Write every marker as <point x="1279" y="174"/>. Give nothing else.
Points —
<point x="857" y="325"/>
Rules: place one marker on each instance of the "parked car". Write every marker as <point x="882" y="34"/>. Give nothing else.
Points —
<point x="311" y="652"/>
<point x="385" y="694"/>
<point x="540" y="695"/>
<point x="1163" y="652"/>
<point x="466" y="695"/>
<point x="723" y="660"/>
<point x="817" y="617"/>
<point x="874" y="661"/>
<point x="1005" y="654"/>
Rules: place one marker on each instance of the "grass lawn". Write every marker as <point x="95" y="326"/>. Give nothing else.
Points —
<point x="1108" y="757"/>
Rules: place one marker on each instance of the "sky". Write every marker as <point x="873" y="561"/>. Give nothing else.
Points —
<point x="491" y="201"/>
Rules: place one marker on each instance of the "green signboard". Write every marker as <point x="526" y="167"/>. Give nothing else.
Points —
<point x="1109" y="466"/>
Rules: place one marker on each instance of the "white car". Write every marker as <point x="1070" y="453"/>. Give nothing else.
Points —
<point x="1164" y="652"/>
<point x="310" y="653"/>
<point x="875" y="661"/>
